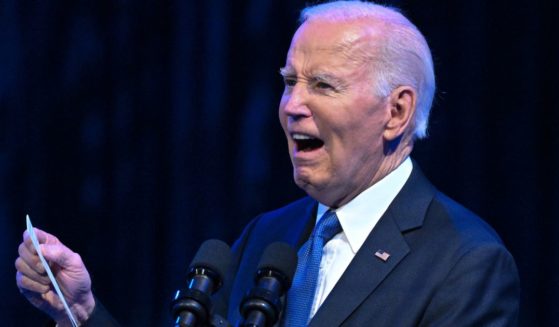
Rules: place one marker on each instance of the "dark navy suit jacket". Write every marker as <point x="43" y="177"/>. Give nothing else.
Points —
<point x="447" y="267"/>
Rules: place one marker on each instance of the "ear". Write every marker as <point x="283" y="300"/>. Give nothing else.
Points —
<point x="402" y="109"/>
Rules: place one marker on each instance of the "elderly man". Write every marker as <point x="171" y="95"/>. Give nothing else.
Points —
<point x="378" y="244"/>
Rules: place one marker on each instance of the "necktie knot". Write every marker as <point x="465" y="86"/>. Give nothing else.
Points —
<point x="327" y="227"/>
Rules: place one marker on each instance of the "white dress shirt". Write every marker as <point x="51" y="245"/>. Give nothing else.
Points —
<point x="357" y="218"/>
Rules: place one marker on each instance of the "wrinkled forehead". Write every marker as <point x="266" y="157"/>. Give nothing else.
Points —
<point x="351" y="41"/>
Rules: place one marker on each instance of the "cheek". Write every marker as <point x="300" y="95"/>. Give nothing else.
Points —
<point x="282" y="118"/>
<point x="281" y="110"/>
<point x="355" y="143"/>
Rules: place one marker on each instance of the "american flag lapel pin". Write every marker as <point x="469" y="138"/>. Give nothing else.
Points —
<point x="382" y="255"/>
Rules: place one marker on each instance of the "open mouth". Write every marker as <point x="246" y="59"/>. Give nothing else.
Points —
<point x="306" y="143"/>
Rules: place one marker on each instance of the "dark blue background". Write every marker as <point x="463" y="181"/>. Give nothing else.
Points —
<point x="134" y="130"/>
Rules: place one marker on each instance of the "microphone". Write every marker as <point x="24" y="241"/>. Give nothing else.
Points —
<point x="261" y="306"/>
<point x="192" y="306"/>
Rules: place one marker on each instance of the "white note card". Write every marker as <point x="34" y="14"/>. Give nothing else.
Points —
<point x="49" y="272"/>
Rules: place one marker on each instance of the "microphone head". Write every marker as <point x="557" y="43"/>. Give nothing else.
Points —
<point x="214" y="255"/>
<point x="281" y="258"/>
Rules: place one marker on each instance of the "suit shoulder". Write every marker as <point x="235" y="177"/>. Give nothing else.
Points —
<point x="292" y="209"/>
<point x="286" y="224"/>
<point x="460" y="221"/>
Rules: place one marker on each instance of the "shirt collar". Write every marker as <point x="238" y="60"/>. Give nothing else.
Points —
<point x="359" y="216"/>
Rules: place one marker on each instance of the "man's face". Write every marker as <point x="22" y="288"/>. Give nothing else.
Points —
<point x="333" y="121"/>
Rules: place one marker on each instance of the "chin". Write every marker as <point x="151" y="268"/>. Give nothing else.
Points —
<point x="304" y="182"/>
<point x="311" y="187"/>
<point x="300" y="181"/>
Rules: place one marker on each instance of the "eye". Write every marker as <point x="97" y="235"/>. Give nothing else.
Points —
<point x="289" y="81"/>
<point x="323" y="86"/>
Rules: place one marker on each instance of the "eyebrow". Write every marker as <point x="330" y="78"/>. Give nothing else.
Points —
<point x="326" y="77"/>
<point x="287" y="71"/>
<point x="319" y="76"/>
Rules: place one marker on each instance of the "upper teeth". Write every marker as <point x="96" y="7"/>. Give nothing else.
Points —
<point x="297" y="136"/>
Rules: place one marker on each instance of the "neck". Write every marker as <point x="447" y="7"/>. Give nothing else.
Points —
<point x="395" y="153"/>
<point x="389" y="163"/>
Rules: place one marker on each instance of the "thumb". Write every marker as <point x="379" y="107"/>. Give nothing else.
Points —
<point x="59" y="254"/>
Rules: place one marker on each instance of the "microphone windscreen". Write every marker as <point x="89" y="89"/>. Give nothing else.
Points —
<point x="214" y="255"/>
<point x="280" y="257"/>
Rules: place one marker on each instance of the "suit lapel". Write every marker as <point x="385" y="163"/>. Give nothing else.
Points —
<point x="364" y="274"/>
<point x="367" y="271"/>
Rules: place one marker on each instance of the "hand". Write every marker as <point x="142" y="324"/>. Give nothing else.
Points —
<point x="68" y="269"/>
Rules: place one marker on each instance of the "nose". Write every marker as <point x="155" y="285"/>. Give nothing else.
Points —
<point x="295" y="102"/>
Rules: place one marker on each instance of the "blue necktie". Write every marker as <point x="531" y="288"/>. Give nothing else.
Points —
<point x="300" y="296"/>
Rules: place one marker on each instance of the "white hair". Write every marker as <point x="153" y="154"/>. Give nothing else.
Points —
<point x="403" y="57"/>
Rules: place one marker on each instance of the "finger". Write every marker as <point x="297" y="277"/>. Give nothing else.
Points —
<point x="25" y="283"/>
<point x="30" y="258"/>
<point x="24" y="268"/>
<point x="42" y="237"/>
<point x="28" y="242"/>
